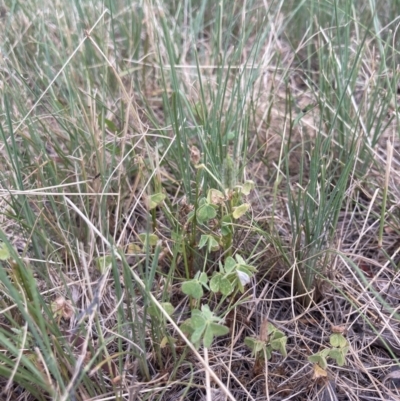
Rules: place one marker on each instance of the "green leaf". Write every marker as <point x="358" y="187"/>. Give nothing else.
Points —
<point x="151" y="238"/>
<point x="240" y="260"/>
<point x="280" y="344"/>
<point x="250" y="342"/>
<point x="219" y="329"/>
<point x="155" y="312"/>
<point x="338" y="340"/>
<point x="198" y="320"/>
<point x="317" y="358"/>
<point x="337" y="354"/>
<point x="255" y="345"/>
<point x="268" y="353"/>
<point x="187" y="327"/>
<point x="341" y="360"/>
<point x="203" y="241"/>
<point x="207" y="313"/>
<point x="103" y="263"/>
<point x="197" y="334"/>
<point x="225" y="286"/>
<point x="155" y="200"/>
<point x="203" y="278"/>
<point x="230" y="135"/>
<point x="230" y="264"/>
<point x="192" y="288"/>
<point x="4" y="252"/>
<point x="240" y="210"/>
<point x="213" y="244"/>
<point x="215" y="282"/>
<point x="325" y="352"/>
<point x="110" y="125"/>
<point x="248" y="186"/>
<point x="213" y="330"/>
<point x="226" y="225"/>
<point x="208" y="337"/>
<point x="206" y="213"/>
<point x="168" y="307"/>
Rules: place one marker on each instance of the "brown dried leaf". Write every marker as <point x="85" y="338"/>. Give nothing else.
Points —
<point x="319" y="372"/>
<point x="63" y="307"/>
<point x="195" y="155"/>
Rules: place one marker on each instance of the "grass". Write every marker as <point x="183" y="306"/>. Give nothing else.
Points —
<point x="199" y="200"/>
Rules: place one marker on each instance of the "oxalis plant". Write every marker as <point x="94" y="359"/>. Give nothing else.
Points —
<point x="234" y="273"/>
<point x="337" y="351"/>
<point x="270" y="339"/>
<point x="232" y="277"/>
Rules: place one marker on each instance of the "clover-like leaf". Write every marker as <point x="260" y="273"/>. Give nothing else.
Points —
<point x="155" y="200"/>
<point x="210" y="241"/>
<point x="240" y="210"/>
<point x="320" y="360"/>
<point x="205" y="326"/>
<point x="206" y="212"/>
<point x="337" y="354"/>
<point x="155" y="312"/>
<point x="4" y="252"/>
<point x="192" y="288"/>
<point x="198" y="320"/>
<point x="279" y="343"/>
<point x="338" y="340"/>
<point x="148" y="239"/>
<point x="215" y="282"/>
<point x="213" y="330"/>
<point x="225" y="286"/>
<point x="103" y="263"/>
<point x="187" y="327"/>
<point x="203" y="279"/>
<point x="247" y="187"/>
<point x="219" y="283"/>
<point x="226" y="225"/>
<point x="230" y="264"/>
<point x="196" y="336"/>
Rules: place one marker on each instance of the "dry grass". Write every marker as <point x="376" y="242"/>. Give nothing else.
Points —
<point x="82" y="307"/>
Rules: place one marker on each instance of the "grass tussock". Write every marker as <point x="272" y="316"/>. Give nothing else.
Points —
<point x="199" y="200"/>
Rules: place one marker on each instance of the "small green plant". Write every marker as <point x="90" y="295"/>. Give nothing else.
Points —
<point x="270" y="339"/>
<point x="204" y="325"/>
<point x="338" y="351"/>
<point x="194" y="287"/>
<point x="223" y="207"/>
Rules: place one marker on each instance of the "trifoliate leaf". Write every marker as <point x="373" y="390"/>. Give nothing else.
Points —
<point x="205" y="213"/>
<point x="337" y="340"/>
